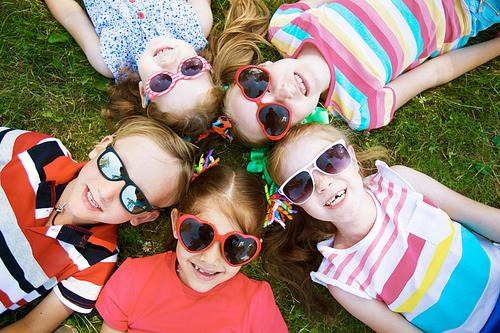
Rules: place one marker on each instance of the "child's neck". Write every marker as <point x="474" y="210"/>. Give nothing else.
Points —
<point x="348" y="235"/>
<point x="63" y="216"/>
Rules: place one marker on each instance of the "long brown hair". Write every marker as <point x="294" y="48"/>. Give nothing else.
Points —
<point x="237" y="194"/>
<point x="290" y="254"/>
<point x="235" y="46"/>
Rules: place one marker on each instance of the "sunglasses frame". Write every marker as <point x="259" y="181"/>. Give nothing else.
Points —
<point x="261" y="105"/>
<point x="125" y="177"/>
<point x="217" y="237"/>
<point x="314" y="163"/>
<point x="176" y="77"/>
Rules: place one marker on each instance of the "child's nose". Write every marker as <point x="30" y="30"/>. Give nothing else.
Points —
<point x="212" y="256"/>
<point x="283" y="92"/>
<point x="111" y="190"/>
<point x="169" y="64"/>
<point x="321" y="181"/>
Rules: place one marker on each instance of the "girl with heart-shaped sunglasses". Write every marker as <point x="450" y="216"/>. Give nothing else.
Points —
<point x="216" y="228"/>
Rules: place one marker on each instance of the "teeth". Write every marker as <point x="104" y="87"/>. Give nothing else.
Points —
<point x="339" y="197"/>
<point x="202" y="271"/>
<point x="161" y="51"/>
<point x="301" y="84"/>
<point x="91" y="200"/>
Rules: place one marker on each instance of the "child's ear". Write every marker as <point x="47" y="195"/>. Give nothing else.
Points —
<point x="145" y="217"/>
<point x="353" y="157"/>
<point x="99" y="148"/>
<point x="142" y="92"/>
<point x="174" y="216"/>
<point x="267" y="63"/>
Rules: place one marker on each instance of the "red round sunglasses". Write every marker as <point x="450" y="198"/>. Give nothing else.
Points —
<point x="162" y="82"/>
<point x="274" y="118"/>
<point x="197" y="235"/>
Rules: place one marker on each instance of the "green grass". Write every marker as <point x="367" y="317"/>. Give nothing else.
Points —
<point x="451" y="133"/>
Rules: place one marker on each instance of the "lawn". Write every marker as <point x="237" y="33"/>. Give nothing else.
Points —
<point x="451" y="132"/>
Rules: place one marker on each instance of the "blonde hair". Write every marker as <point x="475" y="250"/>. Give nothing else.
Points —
<point x="327" y="132"/>
<point x="168" y="141"/>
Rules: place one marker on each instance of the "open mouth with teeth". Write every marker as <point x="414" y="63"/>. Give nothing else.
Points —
<point x="301" y="84"/>
<point x="161" y="50"/>
<point x="203" y="272"/>
<point x="92" y="201"/>
<point x="336" y="199"/>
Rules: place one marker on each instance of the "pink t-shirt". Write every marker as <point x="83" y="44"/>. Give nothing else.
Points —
<point x="146" y="295"/>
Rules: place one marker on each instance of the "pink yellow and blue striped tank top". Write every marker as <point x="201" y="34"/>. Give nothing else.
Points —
<point x="368" y="43"/>
<point x="435" y="272"/>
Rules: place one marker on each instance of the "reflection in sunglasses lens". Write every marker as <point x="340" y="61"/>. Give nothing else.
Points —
<point x="133" y="199"/>
<point x="111" y="166"/>
<point x="299" y="188"/>
<point x="275" y="119"/>
<point x="334" y="160"/>
<point x="191" y="67"/>
<point x="254" y="82"/>
<point x="238" y="249"/>
<point x="160" y="82"/>
<point x="196" y="236"/>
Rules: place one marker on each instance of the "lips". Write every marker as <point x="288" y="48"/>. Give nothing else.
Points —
<point x="300" y="83"/>
<point x="336" y="199"/>
<point x="91" y="202"/>
<point x="162" y="50"/>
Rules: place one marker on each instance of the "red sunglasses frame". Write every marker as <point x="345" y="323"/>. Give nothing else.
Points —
<point x="176" y="77"/>
<point x="260" y="105"/>
<point x="217" y="237"/>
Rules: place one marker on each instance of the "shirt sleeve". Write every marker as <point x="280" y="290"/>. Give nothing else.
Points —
<point x="285" y="14"/>
<point x="266" y="315"/>
<point x="113" y="304"/>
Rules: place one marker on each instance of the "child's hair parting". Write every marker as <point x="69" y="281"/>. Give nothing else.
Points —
<point x="179" y="149"/>
<point x="290" y="254"/>
<point x="235" y="46"/>
<point x="237" y="194"/>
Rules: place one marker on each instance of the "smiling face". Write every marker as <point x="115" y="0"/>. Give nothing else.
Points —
<point x="93" y="198"/>
<point x="296" y="84"/>
<point x="336" y="198"/>
<point x="205" y="270"/>
<point x="165" y="54"/>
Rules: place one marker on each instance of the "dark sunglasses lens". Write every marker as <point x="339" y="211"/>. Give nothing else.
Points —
<point x="238" y="249"/>
<point x="110" y="166"/>
<point x="191" y="67"/>
<point x="195" y="235"/>
<point x="254" y="82"/>
<point x="299" y="188"/>
<point x="133" y="199"/>
<point x="334" y="160"/>
<point x="160" y="82"/>
<point x="275" y="119"/>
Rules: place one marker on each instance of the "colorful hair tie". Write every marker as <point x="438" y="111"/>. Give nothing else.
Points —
<point x="204" y="164"/>
<point x="277" y="207"/>
<point x="319" y="115"/>
<point x="221" y="126"/>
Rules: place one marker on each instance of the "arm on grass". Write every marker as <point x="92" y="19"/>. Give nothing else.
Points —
<point x="483" y="219"/>
<point x="315" y="3"/>
<point x="442" y="69"/>
<point x="203" y="13"/>
<point x="106" y="329"/>
<point x="373" y="313"/>
<point x="45" y="317"/>
<point x="74" y="19"/>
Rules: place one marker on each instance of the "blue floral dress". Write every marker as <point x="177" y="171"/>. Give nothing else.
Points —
<point x="126" y="26"/>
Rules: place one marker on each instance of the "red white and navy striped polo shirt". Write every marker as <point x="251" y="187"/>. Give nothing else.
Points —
<point x="74" y="261"/>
